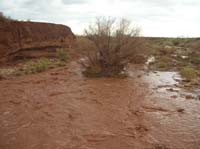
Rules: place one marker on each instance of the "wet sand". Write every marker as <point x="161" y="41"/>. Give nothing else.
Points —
<point x="61" y="109"/>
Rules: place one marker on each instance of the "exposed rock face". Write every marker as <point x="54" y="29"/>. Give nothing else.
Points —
<point x="16" y="37"/>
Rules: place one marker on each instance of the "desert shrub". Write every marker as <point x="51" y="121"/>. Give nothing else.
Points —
<point x="188" y="73"/>
<point x="176" y="42"/>
<point x="165" y="59"/>
<point x="39" y="65"/>
<point x="7" y="72"/>
<point x="4" y="18"/>
<point x="162" y="65"/>
<point x="84" y="45"/>
<point x="116" y="45"/>
<point x="94" y="71"/>
<point x="59" y="64"/>
<point x="194" y="58"/>
<point x="62" y="55"/>
<point x="164" y="62"/>
<point x="167" y="50"/>
<point x="31" y="66"/>
<point x="139" y="59"/>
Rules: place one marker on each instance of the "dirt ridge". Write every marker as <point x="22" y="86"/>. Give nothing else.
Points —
<point x="16" y="36"/>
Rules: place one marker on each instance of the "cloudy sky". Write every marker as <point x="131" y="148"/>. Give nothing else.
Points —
<point x="172" y="18"/>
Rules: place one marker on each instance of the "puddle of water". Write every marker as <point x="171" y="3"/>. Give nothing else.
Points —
<point x="160" y="78"/>
<point x="168" y="84"/>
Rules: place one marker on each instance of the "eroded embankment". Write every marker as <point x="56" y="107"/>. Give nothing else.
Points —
<point x="20" y="39"/>
<point x="60" y="109"/>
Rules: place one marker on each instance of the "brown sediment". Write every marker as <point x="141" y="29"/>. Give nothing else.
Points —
<point x="61" y="109"/>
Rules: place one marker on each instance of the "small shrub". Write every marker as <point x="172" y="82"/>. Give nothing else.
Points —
<point x="62" y="55"/>
<point x="93" y="71"/>
<point x="7" y="72"/>
<point x="165" y="59"/>
<point x="162" y="65"/>
<point x="139" y="59"/>
<point x="167" y="50"/>
<point x="59" y="64"/>
<point x="188" y="73"/>
<point x="176" y="41"/>
<point x="163" y="62"/>
<point x="84" y="45"/>
<point x="195" y="60"/>
<point x="37" y="66"/>
<point x="30" y="67"/>
<point x="4" y="18"/>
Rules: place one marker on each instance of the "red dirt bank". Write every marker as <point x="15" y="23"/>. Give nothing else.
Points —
<point x="17" y="36"/>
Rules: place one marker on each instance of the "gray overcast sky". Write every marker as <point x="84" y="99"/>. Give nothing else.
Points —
<point x="172" y="18"/>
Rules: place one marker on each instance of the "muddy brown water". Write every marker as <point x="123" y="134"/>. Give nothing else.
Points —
<point x="60" y="109"/>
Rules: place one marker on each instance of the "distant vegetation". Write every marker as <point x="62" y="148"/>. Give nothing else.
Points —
<point x="188" y="73"/>
<point x="176" y="54"/>
<point x="4" y="18"/>
<point x="62" y="54"/>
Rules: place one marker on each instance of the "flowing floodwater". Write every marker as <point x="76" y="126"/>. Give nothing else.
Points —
<point x="61" y="109"/>
<point x="175" y="112"/>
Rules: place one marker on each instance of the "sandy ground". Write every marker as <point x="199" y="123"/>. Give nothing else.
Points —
<point x="60" y="109"/>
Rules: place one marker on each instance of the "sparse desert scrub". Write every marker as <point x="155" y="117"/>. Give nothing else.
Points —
<point x="194" y="58"/>
<point x="162" y="65"/>
<point x="39" y="65"/>
<point x="32" y="66"/>
<point x="116" y="44"/>
<point x="166" y="50"/>
<point x="62" y="54"/>
<point x="166" y="59"/>
<point x="5" y="72"/>
<point x="188" y="73"/>
<point x="176" y="42"/>
<point x="4" y="18"/>
<point x="163" y="62"/>
<point x="84" y="45"/>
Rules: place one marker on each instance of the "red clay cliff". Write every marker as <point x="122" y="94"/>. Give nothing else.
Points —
<point x="25" y="37"/>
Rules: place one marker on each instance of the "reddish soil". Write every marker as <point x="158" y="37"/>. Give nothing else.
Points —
<point x="20" y="39"/>
<point x="60" y="109"/>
